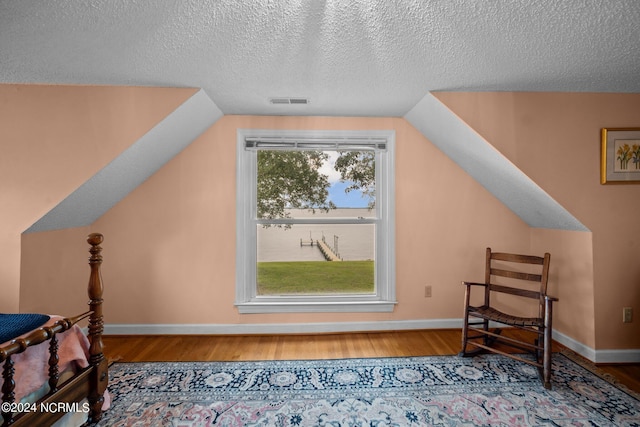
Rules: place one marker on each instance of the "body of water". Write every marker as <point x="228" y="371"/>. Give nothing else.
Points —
<point x="353" y="241"/>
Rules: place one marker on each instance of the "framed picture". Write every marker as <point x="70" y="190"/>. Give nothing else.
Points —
<point x="620" y="156"/>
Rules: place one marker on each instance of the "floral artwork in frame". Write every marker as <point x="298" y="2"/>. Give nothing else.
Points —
<point x="620" y="156"/>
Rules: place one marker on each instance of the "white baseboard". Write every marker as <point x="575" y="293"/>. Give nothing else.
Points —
<point x="277" y="328"/>
<point x="578" y="347"/>
<point x="597" y="356"/>
<point x="618" y="356"/>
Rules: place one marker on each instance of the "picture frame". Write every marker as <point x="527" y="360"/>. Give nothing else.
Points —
<point x="620" y="156"/>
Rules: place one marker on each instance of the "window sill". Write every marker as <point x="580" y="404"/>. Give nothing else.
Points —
<point x="255" y="307"/>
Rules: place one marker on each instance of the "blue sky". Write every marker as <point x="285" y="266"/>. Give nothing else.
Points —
<point x="353" y="199"/>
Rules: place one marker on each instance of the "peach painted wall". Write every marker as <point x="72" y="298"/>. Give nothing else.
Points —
<point x="53" y="139"/>
<point x="55" y="262"/>
<point x="570" y="280"/>
<point x="555" y="139"/>
<point x="170" y="245"/>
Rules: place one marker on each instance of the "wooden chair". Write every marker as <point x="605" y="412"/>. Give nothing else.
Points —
<point x="516" y="275"/>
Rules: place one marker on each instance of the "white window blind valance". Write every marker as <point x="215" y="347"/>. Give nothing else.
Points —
<point x="304" y="143"/>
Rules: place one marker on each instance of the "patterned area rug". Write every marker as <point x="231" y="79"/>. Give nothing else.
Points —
<point x="488" y="390"/>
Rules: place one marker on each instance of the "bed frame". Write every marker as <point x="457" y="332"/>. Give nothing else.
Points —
<point x="90" y="382"/>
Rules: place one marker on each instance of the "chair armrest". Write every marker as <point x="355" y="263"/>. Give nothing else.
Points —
<point x="550" y="298"/>
<point x="474" y="284"/>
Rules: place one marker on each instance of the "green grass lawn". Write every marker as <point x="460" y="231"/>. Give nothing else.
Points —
<point x="315" y="277"/>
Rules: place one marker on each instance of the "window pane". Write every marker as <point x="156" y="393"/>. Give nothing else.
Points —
<point x="290" y="260"/>
<point x="351" y="175"/>
<point x="290" y="183"/>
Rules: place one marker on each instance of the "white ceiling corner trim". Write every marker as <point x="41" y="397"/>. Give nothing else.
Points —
<point x="489" y="167"/>
<point x="130" y="169"/>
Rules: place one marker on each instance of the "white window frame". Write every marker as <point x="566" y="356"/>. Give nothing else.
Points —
<point x="384" y="299"/>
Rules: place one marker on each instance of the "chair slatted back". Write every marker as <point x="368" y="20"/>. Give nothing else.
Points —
<point x="503" y="270"/>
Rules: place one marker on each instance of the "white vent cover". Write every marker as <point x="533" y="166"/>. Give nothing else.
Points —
<point x="289" y="101"/>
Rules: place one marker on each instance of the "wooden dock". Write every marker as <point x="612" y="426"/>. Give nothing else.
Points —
<point x="327" y="251"/>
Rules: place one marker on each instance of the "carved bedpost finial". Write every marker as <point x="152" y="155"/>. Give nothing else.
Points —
<point x="95" y="288"/>
<point x="95" y="240"/>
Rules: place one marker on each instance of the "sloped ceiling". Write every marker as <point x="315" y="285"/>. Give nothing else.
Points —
<point x="347" y="57"/>
<point x="489" y="167"/>
<point x="130" y="169"/>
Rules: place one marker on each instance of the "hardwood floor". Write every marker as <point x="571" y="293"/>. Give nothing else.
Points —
<point x="160" y="348"/>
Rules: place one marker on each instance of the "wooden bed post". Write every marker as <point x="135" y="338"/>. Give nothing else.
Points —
<point x="99" y="376"/>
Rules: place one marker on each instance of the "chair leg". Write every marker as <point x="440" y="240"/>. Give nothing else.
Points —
<point x="465" y="334"/>
<point x="465" y="326"/>
<point x="546" y="363"/>
<point x="485" y="327"/>
<point x="488" y="339"/>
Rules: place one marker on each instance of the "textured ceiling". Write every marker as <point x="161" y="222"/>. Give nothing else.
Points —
<point x="349" y="57"/>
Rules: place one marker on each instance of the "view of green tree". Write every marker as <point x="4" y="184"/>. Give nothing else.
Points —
<point x="291" y="179"/>
<point x="358" y="167"/>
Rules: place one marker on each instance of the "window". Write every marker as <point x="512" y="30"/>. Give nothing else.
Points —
<point x="315" y="221"/>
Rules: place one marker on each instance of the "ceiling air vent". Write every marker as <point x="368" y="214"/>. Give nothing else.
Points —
<point x="289" y="101"/>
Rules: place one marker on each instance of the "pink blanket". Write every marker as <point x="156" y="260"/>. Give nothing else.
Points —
<point x="32" y="365"/>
